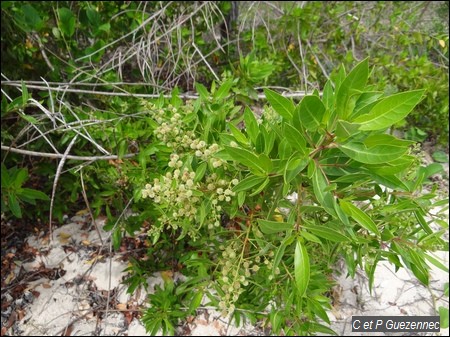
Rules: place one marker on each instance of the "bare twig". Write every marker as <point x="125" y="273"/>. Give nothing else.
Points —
<point x="59" y="156"/>
<point x="297" y="94"/>
<point x="83" y="190"/>
<point x="55" y="183"/>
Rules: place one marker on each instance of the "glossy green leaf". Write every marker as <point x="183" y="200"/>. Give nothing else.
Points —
<point x="224" y="89"/>
<point x="301" y="267"/>
<point x="238" y="135"/>
<point x="271" y="227"/>
<point x="284" y="149"/>
<point x="202" y="91"/>
<point x="248" y="159"/>
<point x="345" y="129"/>
<point x="200" y="172"/>
<point x="320" y="184"/>
<point x="326" y="233"/>
<point x="383" y="152"/>
<point x="318" y="309"/>
<point x="360" y="217"/>
<point x="390" y="110"/>
<point x="295" y="138"/>
<point x="260" y="187"/>
<point x="444" y="317"/>
<point x="365" y="103"/>
<point x="328" y="96"/>
<point x="436" y="262"/>
<point x="309" y="113"/>
<point x="282" y="105"/>
<point x="248" y="182"/>
<point x="354" y="82"/>
<point x="294" y="166"/>
<point x="418" y="267"/>
<point x="251" y="125"/>
<point x="280" y="253"/>
<point x="196" y="301"/>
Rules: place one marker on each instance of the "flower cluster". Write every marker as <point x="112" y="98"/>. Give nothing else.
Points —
<point x="237" y="271"/>
<point x="175" y="192"/>
<point x="172" y="130"/>
<point x="206" y="153"/>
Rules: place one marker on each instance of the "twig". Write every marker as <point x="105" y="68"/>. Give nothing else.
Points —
<point x="55" y="183"/>
<point x="296" y="94"/>
<point x="83" y="190"/>
<point x="43" y="53"/>
<point x="58" y="155"/>
<point x="206" y="62"/>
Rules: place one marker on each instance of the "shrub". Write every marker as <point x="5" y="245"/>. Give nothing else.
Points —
<point x="260" y="209"/>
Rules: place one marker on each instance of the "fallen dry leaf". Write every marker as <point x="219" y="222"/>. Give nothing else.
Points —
<point x="121" y="306"/>
<point x="64" y="237"/>
<point x="82" y="212"/>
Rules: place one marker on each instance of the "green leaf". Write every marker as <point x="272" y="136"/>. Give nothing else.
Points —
<point x="94" y="18"/>
<point x="284" y="149"/>
<point x="320" y="184"/>
<point x="389" y="111"/>
<point x="326" y="233"/>
<point x="238" y="135"/>
<point x="436" y="262"/>
<point x="295" y="138"/>
<point x="249" y="159"/>
<point x="6" y="179"/>
<point x="353" y="83"/>
<point x="294" y="166"/>
<point x="309" y="113"/>
<point x="280" y="252"/>
<point x="248" y="182"/>
<point x="365" y="103"/>
<point x="25" y="95"/>
<point x="319" y="310"/>
<point x="282" y="105"/>
<point x="33" y="194"/>
<point x="19" y="177"/>
<point x="200" y="172"/>
<point x="66" y="21"/>
<point x="196" y="301"/>
<point x="440" y="156"/>
<point x="261" y="187"/>
<point x="376" y="149"/>
<point x="443" y="313"/>
<point x="345" y="129"/>
<point x="14" y="206"/>
<point x="202" y="91"/>
<point x="328" y="96"/>
<point x="271" y="227"/>
<point x="224" y="89"/>
<point x="418" y="267"/>
<point x="29" y="18"/>
<point x="29" y="119"/>
<point x="362" y="218"/>
<point x="301" y="267"/>
<point x="251" y="125"/>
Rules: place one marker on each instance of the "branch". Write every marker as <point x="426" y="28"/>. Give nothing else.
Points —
<point x="296" y="94"/>
<point x="58" y="156"/>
